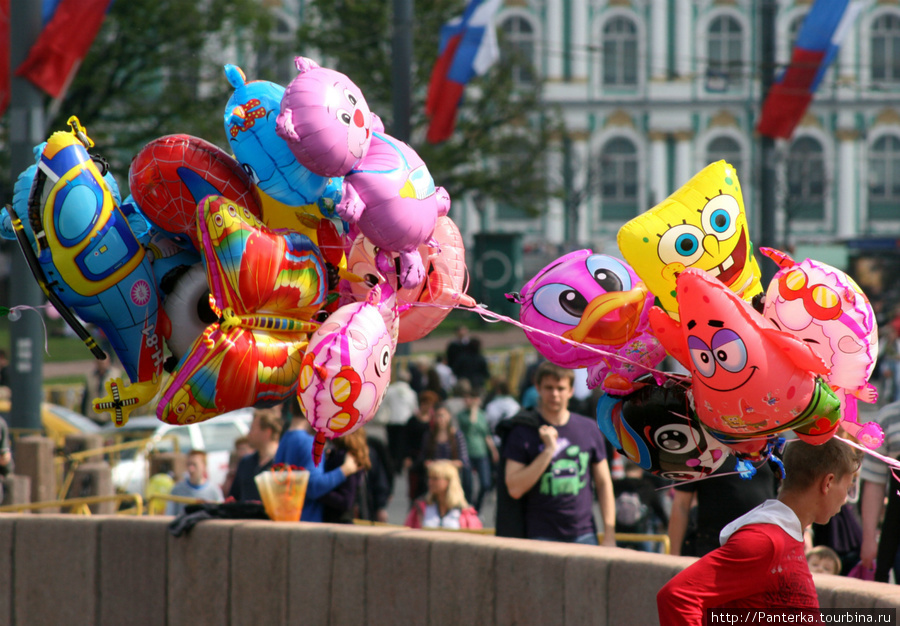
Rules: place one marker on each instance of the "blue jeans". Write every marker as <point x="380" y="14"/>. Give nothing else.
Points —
<point x="483" y="469"/>
<point x="588" y="539"/>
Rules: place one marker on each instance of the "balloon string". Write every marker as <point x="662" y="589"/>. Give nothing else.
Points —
<point x="24" y="307"/>
<point x="893" y="464"/>
<point x="492" y="317"/>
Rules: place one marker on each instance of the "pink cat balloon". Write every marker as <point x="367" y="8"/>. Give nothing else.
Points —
<point x="598" y="301"/>
<point x="324" y="119"/>
<point x="444" y="285"/>
<point x="346" y="368"/>
<point x="824" y="307"/>
<point x="388" y="191"/>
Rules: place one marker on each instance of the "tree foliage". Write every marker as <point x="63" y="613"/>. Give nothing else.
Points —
<point x="503" y="131"/>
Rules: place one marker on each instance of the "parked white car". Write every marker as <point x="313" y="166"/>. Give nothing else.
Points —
<point x="216" y="437"/>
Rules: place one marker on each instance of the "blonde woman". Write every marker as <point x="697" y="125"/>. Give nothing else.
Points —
<point x="444" y="506"/>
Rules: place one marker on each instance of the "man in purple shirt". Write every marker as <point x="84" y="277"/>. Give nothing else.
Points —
<point x="553" y="466"/>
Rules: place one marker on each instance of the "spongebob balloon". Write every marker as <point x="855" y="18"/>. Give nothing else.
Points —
<point x="825" y="308"/>
<point x="702" y="225"/>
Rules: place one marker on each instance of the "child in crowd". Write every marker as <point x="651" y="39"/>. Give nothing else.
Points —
<point x="823" y="560"/>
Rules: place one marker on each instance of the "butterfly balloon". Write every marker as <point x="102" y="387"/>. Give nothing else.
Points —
<point x="266" y="286"/>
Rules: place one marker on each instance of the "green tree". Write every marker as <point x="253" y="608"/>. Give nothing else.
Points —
<point x="503" y="131"/>
<point x="156" y="69"/>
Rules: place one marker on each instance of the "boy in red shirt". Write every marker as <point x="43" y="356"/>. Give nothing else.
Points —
<point x="762" y="561"/>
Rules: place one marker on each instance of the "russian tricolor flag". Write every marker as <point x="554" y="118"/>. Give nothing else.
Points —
<point x="468" y="47"/>
<point x="817" y="44"/>
<point x="70" y="27"/>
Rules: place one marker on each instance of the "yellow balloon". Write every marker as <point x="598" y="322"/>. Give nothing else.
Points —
<point x="701" y="225"/>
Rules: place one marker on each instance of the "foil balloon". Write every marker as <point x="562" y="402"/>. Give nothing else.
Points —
<point x="655" y="427"/>
<point x="91" y="266"/>
<point x="750" y="380"/>
<point x="423" y="307"/>
<point x="324" y="119"/>
<point x="250" y="128"/>
<point x="599" y="302"/>
<point x="825" y="308"/>
<point x="172" y="174"/>
<point x="388" y="191"/>
<point x="266" y="286"/>
<point x="702" y="225"/>
<point x="346" y="369"/>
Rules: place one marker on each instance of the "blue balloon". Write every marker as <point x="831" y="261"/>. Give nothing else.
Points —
<point x="250" y="127"/>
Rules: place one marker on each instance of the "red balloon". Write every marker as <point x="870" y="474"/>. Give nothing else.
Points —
<point x="171" y="174"/>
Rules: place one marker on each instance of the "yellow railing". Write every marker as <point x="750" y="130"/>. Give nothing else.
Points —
<point x="76" y="458"/>
<point x="620" y="537"/>
<point x="79" y="506"/>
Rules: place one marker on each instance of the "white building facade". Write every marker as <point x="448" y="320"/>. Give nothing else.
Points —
<point x="653" y="90"/>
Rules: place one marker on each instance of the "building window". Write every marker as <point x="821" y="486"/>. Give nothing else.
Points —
<point x="620" y="59"/>
<point x="805" y="180"/>
<point x="727" y="149"/>
<point x="518" y="45"/>
<point x="619" y="180"/>
<point x="725" y="51"/>
<point x="886" y="49"/>
<point x="884" y="179"/>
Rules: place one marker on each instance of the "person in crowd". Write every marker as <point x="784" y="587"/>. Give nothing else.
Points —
<point x="553" y="466"/>
<point x="295" y="449"/>
<point x="6" y="458"/>
<point x="471" y="364"/>
<point x="445" y="504"/>
<point x="445" y="374"/>
<point x="434" y="383"/>
<point x="456" y="403"/>
<point x="456" y="347"/>
<point x="416" y="428"/>
<point x="502" y="406"/>
<point x="95" y="387"/>
<point x="194" y="485"/>
<point x="348" y="500"/>
<point x="761" y="562"/>
<point x="483" y="453"/>
<point x="880" y="484"/>
<point x="843" y="534"/>
<point x="379" y="481"/>
<point x="823" y="560"/>
<point x="445" y="441"/>
<point x="719" y="499"/>
<point x="241" y="449"/>
<point x="639" y="506"/>
<point x="399" y="404"/>
<point x="265" y="432"/>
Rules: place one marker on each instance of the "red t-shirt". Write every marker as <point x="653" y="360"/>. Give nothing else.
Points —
<point x="760" y="566"/>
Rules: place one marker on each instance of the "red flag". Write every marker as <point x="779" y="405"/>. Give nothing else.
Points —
<point x="63" y="44"/>
<point x="4" y="56"/>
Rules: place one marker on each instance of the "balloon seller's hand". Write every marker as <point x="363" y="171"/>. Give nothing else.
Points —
<point x="350" y="466"/>
<point x="548" y="437"/>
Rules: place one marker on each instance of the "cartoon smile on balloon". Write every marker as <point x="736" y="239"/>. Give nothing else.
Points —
<point x="702" y="225"/>
<point x="749" y="378"/>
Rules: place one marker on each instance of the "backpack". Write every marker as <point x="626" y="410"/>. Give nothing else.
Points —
<point x="510" y="513"/>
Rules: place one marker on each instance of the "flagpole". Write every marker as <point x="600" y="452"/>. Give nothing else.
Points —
<point x="767" y="176"/>
<point x="26" y="130"/>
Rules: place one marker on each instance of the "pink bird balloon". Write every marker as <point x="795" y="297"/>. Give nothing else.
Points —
<point x="750" y="380"/>
<point x="597" y="301"/>
<point x="346" y="368"/>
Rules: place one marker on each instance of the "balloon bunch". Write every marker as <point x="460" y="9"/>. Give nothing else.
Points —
<point x="293" y="267"/>
<point x="796" y="358"/>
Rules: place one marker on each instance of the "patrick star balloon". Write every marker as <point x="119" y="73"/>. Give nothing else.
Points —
<point x="824" y="307"/>
<point x="750" y="380"/>
<point x="599" y="302"/>
<point x="346" y="368"/>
